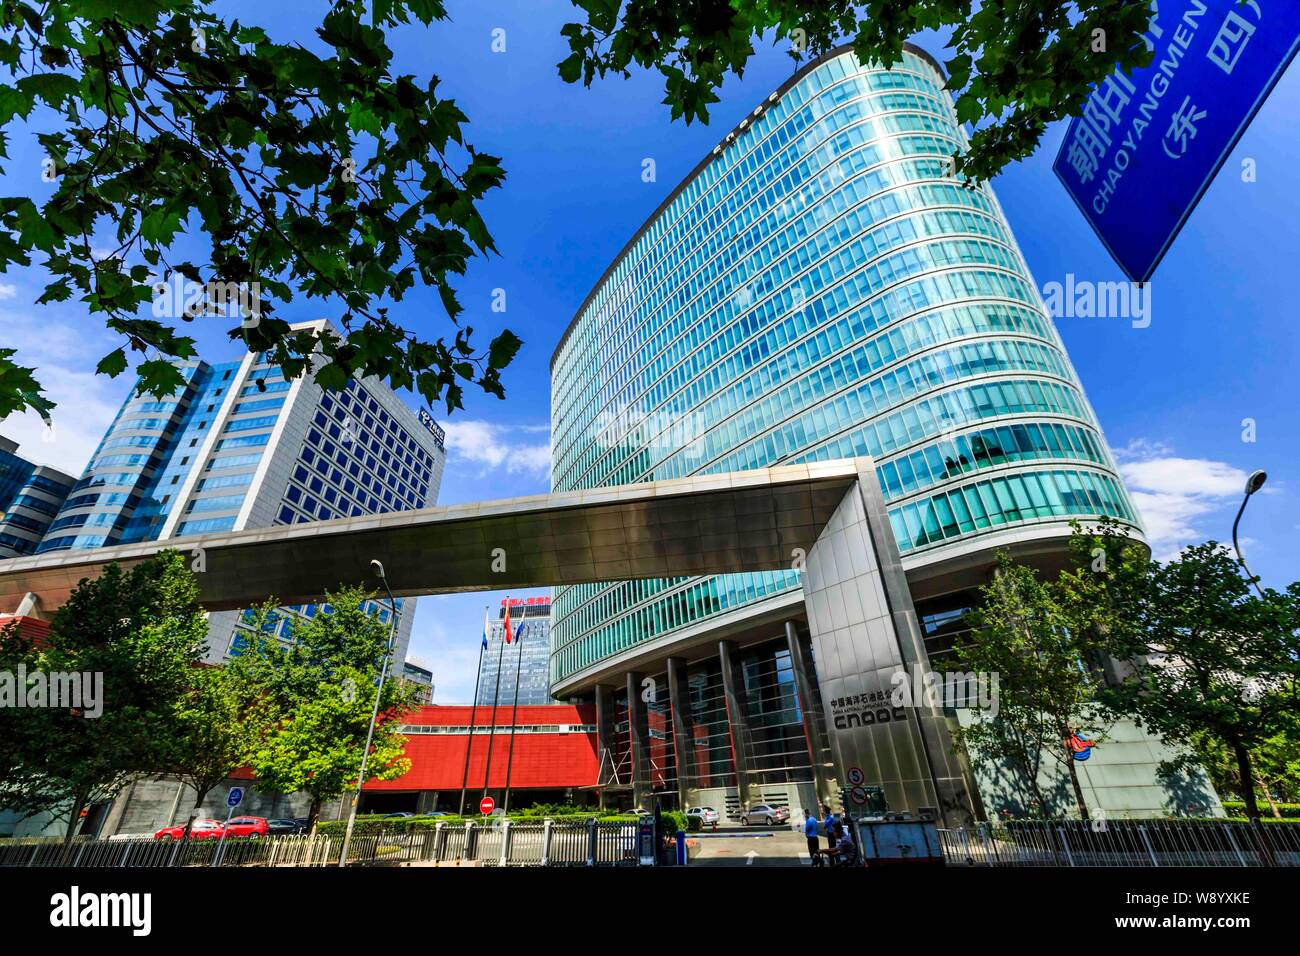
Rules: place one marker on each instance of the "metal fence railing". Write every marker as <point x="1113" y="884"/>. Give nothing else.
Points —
<point x="506" y="844"/>
<point x="1124" y="843"/>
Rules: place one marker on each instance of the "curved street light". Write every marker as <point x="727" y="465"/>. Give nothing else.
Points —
<point x="1253" y="484"/>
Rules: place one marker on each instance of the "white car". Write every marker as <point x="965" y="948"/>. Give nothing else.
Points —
<point x="708" y="817"/>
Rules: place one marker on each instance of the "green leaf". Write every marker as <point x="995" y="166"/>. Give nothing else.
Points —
<point x="113" y="364"/>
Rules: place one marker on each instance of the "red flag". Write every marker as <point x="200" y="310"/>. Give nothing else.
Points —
<point x="506" y="628"/>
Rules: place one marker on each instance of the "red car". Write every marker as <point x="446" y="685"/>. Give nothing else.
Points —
<point x="202" y="830"/>
<point x="254" y="828"/>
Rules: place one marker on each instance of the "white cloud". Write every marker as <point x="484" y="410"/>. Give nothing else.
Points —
<point x="64" y="355"/>
<point x="497" y="446"/>
<point x="1173" y="493"/>
<point x="8" y="290"/>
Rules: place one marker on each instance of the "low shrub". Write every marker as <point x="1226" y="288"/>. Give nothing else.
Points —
<point x="1289" y="811"/>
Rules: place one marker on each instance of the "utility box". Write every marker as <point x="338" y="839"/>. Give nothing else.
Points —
<point x="890" y="842"/>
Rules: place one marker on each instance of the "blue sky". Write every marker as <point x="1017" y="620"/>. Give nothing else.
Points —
<point x="1222" y="345"/>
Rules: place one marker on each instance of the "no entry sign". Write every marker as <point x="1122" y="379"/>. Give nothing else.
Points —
<point x="486" y="805"/>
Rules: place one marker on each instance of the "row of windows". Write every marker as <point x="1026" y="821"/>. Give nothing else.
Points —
<point x="247" y="408"/>
<point x="23" y="521"/>
<point x="71" y="541"/>
<point x="986" y="448"/>
<point x="224" y="481"/>
<point x="243" y="441"/>
<point x="47" y="485"/>
<point x="267" y="388"/>
<point x="782" y="408"/>
<point x="207" y="525"/>
<point x="218" y="503"/>
<point x="1003" y="499"/>
<point x="249" y="424"/>
<point x="36" y="504"/>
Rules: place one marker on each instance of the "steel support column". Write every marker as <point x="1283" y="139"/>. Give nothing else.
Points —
<point x="683" y="738"/>
<point x="604" y="740"/>
<point x="733" y="686"/>
<point x="638" y="737"/>
<point x="812" y="730"/>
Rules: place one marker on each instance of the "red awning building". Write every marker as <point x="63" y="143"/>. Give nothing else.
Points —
<point x="554" y="760"/>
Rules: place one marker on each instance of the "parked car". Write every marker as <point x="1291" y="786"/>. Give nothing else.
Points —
<point x="283" y="827"/>
<point x="763" y="813"/>
<point x="253" y="828"/>
<point x="201" y="830"/>
<point x="399" y="815"/>
<point x="707" y="815"/>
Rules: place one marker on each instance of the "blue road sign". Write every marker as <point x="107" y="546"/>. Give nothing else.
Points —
<point x="235" y="797"/>
<point x="1148" y="144"/>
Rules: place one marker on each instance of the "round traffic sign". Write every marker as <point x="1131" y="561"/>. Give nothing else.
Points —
<point x="856" y="776"/>
<point x="486" y="806"/>
<point x="858" y="795"/>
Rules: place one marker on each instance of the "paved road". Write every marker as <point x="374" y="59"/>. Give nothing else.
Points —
<point x="755" y="846"/>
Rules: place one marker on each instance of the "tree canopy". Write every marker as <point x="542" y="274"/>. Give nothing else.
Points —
<point x="328" y="176"/>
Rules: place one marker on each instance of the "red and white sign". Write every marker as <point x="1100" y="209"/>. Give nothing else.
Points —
<point x="486" y="806"/>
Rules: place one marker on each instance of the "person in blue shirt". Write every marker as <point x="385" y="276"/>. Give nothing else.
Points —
<point x="828" y="826"/>
<point x="810" y="826"/>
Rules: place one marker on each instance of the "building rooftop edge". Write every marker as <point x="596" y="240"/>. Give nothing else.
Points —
<point x="780" y="91"/>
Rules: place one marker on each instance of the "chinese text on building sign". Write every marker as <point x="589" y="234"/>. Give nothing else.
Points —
<point x="1148" y="144"/>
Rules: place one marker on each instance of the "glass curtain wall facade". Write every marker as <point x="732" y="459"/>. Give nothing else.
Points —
<point x="821" y="288"/>
<point x="242" y="447"/>
<point x="30" y="498"/>
<point x="524" y="660"/>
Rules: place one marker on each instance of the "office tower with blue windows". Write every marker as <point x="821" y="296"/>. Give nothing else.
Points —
<point x="522" y="664"/>
<point x="819" y="287"/>
<point x="30" y="498"/>
<point x="241" y="447"/>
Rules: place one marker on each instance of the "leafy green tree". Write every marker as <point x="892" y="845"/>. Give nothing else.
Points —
<point x="329" y="177"/>
<point x="1014" y="68"/>
<point x="1276" y="763"/>
<point x="1045" y="692"/>
<point x="321" y="694"/>
<point x="142" y="632"/>
<point x="321" y="176"/>
<point x="215" y="727"/>
<point x="1210" y="659"/>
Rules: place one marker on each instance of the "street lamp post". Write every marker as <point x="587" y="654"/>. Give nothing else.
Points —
<point x="374" y="714"/>
<point x="1253" y="484"/>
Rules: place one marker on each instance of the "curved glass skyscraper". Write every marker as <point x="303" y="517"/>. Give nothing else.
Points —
<point x="820" y="288"/>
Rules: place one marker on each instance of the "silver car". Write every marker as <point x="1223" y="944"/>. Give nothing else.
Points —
<point x="763" y="813"/>
<point x="708" y="816"/>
